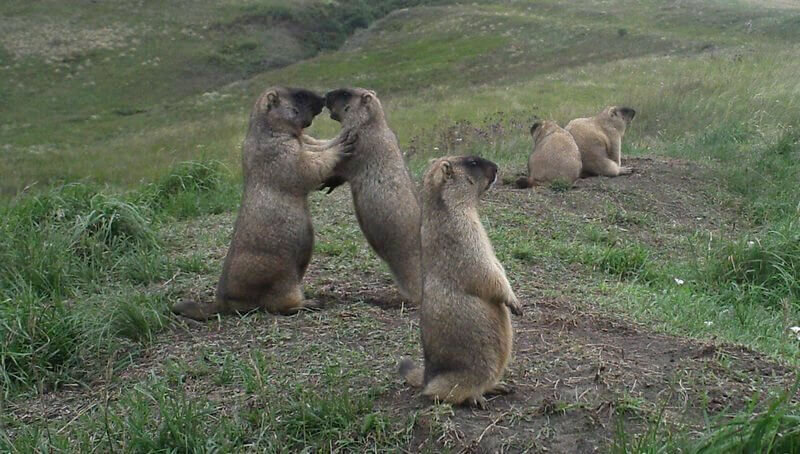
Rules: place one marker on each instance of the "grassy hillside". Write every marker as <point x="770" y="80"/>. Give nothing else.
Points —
<point x="658" y="305"/>
<point x="141" y="105"/>
<point x="80" y="78"/>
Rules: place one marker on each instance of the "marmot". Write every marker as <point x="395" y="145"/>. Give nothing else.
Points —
<point x="273" y="236"/>
<point x="466" y="298"/>
<point x="599" y="140"/>
<point x="555" y="156"/>
<point x="384" y="195"/>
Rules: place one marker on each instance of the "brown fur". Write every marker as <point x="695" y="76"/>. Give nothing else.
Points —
<point x="273" y="236"/>
<point x="464" y="318"/>
<point x="384" y="196"/>
<point x="555" y="156"/>
<point x="599" y="140"/>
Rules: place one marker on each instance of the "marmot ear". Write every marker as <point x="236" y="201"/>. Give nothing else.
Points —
<point x="447" y="169"/>
<point x="367" y="97"/>
<point x="270" y="98"/>
<point x="440" y="170"/>
<point x="536" y="125"/>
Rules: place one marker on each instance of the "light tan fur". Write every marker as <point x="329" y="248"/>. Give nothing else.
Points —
<point x="384" y="196"/>
<point x="599" y="140"/>
<point x="464" y="318"/>
<point x="555" y="156"/>
<point x="273" y="236"/>
<point x="312" y="144"/>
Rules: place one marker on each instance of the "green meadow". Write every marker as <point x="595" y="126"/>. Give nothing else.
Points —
<point x="659" y="305"/>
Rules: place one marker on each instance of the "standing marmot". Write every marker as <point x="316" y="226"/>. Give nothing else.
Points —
<point x="466" y="328"/>
<point x="273" y="236"/>
<point x="599" y="140"/>
<point x="555" y="156"/>
<point x="384" y="196"/>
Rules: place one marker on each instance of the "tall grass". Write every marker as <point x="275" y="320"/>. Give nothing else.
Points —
<point x="60" y="247"/>
<point x="190" y="189"/>
<point x="71" y="234"/>
<point x="764" y="266"/>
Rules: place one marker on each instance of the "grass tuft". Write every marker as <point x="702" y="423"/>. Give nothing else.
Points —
<point x="626" y="261"/>
<point x="139" y="317"/>
<point x="762" y="268"/>
<point x="773" y="430"/>
<point x="72" y="234"/>
<point x="40" y="342"/>
<point x="192" y="189"/>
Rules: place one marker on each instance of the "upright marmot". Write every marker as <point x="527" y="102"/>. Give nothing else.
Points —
<point x="599" y="140"/>
<point x="465" y="323"/>
<point x="384" y="196"/>
<point x="555" y="156"/>
<point x="273" y="236"/>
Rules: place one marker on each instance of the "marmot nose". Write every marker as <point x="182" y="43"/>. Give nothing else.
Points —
<point x="491" y="168"/>
<point x="328" y="99"/>
<point x="318" y="105"/>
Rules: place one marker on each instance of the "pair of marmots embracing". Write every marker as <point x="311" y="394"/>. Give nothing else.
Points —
<point x="434" y="244"/>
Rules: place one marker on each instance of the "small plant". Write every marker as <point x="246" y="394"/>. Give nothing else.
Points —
<point x="524" y="252"/>
<point x="55" y="246"/>
<point x="191" y="189"/>
<point x="139" y="316"/>
<point x="190" y="176"/>
<point x="619" y="216"/>
<point x="630" y="261"/>
<point x="560" y="186"/>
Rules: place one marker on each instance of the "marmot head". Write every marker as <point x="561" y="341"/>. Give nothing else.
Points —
<point x="619" y="116"/>
<point x="459" y="179"/>
<point x="541" y="128"/>
<point x="288" y="110"/>
<point x="353" y="106"/>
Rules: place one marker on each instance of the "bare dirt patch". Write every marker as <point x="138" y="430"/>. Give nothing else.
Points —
<point x="578" y="374"/>
<point x="664" y="202"/>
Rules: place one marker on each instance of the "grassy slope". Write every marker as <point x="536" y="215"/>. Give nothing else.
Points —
<point x="83" y="81"/>
<point x="708" y="87"/>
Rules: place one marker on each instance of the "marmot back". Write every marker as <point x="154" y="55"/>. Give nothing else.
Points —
<point x="555" y="156"/>
<point x="599" y="141"/>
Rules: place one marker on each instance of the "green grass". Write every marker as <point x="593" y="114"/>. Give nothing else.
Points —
<point x="763" y="268"/>
<point x="162" y="414"/>
<point x="770" y="425"/>
<point x="79" y="242"/>
<point x="536" y="49"/>
<point x="86" y="85"/>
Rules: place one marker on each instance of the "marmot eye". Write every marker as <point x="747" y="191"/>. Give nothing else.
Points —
<point x="346" y="108"/>
<point x="473" y="163"/>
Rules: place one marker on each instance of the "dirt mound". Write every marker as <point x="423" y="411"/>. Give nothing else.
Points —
<point x="578" y="374"/>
